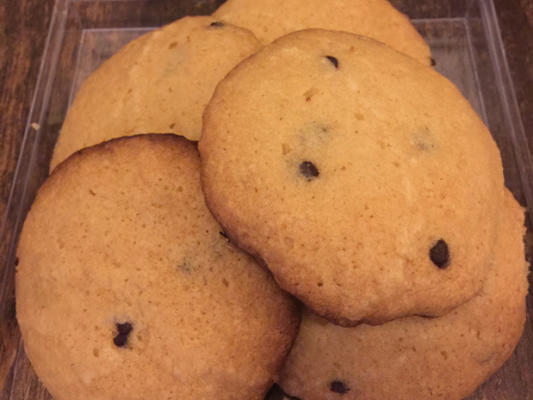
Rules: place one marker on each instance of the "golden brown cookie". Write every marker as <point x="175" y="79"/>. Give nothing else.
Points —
<point x="160" y="83"/>
<point x="419" y="358"/>
<point x="363" y="179"/>
<point x="128" y="290"/>
<point x="378" y="19"/>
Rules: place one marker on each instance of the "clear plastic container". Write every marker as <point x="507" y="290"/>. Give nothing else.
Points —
<point x="465" y="40"/>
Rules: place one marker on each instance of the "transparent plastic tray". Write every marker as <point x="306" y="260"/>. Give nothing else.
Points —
<point x="466" y="45"/>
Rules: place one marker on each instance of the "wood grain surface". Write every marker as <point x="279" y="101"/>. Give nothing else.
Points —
<point x="23" y="29"/>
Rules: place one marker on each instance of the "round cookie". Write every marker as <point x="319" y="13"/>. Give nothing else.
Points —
<point x="362" y="178"/>
<point x="160" y="82"/>
<point x="377" y="19"/>
<point x="128" y="290"/>
<point x="419" y="358"/>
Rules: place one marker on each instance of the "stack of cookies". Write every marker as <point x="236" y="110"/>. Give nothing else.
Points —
<point x="342" y="227"/>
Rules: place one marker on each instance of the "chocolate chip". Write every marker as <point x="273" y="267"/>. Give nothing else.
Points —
<point x="433" y="62"/>
<point x="16" y="261"/>
<point x="224" y="235"/>
<point x="277" y="393"/>
<point x="308" y="169"/>
<point x="123" y="331"/>
<point x="333" y="60"/>
<point x="440" y="254"/>
<point x="217" y="24"/>
<point x="339" y="387"/>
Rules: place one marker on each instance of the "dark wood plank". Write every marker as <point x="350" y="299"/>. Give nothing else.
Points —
<point x="23" y="27"/>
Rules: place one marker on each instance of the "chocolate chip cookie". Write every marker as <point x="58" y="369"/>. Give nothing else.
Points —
<point x="378" y="19"/>
<point x="127" y="288"/>
<point x="160" y="83"/>
<point x="362" y="178"/>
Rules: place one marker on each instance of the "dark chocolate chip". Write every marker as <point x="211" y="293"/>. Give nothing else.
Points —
<point x="333" y="60"/>
<point x="217" y="24"/>
<point x="224" y="235"/>
<point x="339" y="387"/>
<point x="433" y="62"/>
<point x="440" y="254"/>
<point x="16" y="261"/>
<point x="309" y="170"/>
<point x="277" y="393"/>
<point x="123" y="331"/>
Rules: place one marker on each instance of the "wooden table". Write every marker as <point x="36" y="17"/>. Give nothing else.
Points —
<point x="23" y="29"/>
